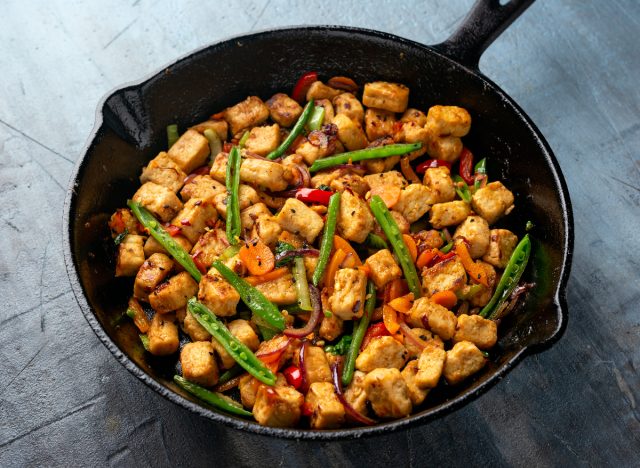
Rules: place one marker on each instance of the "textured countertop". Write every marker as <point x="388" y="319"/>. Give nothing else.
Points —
<point x="64" y="400"/>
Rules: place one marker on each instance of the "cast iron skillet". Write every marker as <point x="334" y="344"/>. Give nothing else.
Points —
<point x="130" y="130"/>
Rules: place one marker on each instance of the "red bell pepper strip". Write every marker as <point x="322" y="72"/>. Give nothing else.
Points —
<point x="430" y="163"/>
<point x="309" y="195"/>
<point x="174" y="230"/>
<point x="299" y="92"/>
<point x="374" y="331"/>
<point x="466" y="166"/>
<point x="439" y="257"/>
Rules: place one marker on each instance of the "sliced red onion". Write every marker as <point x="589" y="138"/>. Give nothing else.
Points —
<point x="351" y="411"/>
<point x="314" y="318"/>
<point x="510" y="304"/>
<point x="447" y="235"/>
<point x="305" y="176"/>
<point x="304" y="384"/>
<point x="270" y="355"/>
<point x="252" y="155"/>
<point x="409" y="335"/>
<point x="308" y="252"/>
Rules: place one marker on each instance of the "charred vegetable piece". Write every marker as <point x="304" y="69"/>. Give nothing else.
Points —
<point x="327" y="237"/>
<point x="172" y="135"/>
<point x="236" y="348"/>
<point x="233" y="201"/>
<point x="309" y="195"/>
<point x="214" y="399"/>
<point x="297" y="129"/>
<point x="165" y="239"/>
<point x="253" y="298"/>
<point x="316" y="119"/>
<point x="391" y="230"/>
<point x="510" y="277"/>
<point x="359" y="331"/>
<point x="364" y="154"/>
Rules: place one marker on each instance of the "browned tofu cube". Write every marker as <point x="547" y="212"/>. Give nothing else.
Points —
<point x="163" y="171"/>
<point x="218" y="295"/>
<point x="326" y="410"/>
<point x="379" y="123"/>
<point x="248" y="113"/>
<point x="130" y="255"/>
<point x="173" y="293"/>
<point x="502" y="243"/>
<point x="298" y="218"/>
<point x="439" y="181"/>
<point x="355" y="220"/>
<point x="123" y="219"/>
<point x="281" y="291"/>
<point x="247" y="196"/>
<point x="347" y="299"/>
<point x="355" y="394"/>
<point x="192" y="327"/>
<point x="447" y="148"/>
<point x="411" y="132"/>
<point x="482" y="297"/>
<point x="392" y="97"/>
<point x="388" y="393"/>
<point x="386" y="178"/>
<point x="203" y="187"/>
<point x="190" y="151"/>
<point x="438" y="319"/>
<point x="348" y="104"/>
<point x="160" y="201"/>
<point x="449" y="213"/>
<point x="218" y="170"/>
<point x="263" y="140"/>
<point x="331" y="327"/>
<point x="198" y="364"/>
<point x="163" y="335"/>
<point x="220" y="127"/>
<point x="310" y="152"/>
<point x="414" y="115"/>
<point x="317" y="365"/>
<point x="481" y="332"/>
<point x="352" y="182"/>
<point x="265" y="175"/>
<point x="319" y="90"/>
<point x="415" y="200"/>
<point x="463" y="360"/>
<point x="446" y="275"/>
<point x="426" y="336"/>
<point x="210" y="246"/>
<point x="284" y="110"/>
<point x="417" y="394"/>
<point x="278" y="406"/>
<point x="448" y="121"/>
<point x="248" y="386"/>
<point x="152" y="246"/>
<point x="253" y="213"/>
<point x="195" y="216"/>
<point x="383" y="351"/>
<point x="152" y="272"/>
<point x="350" y="132"/>
<point x="329" y="111"/>
<point x="492" y="201"/>
<point x="384" y="268"/>
<point x="245" y="333"/>
<point x="475" y="230"/>
<point x="430" y="366"/>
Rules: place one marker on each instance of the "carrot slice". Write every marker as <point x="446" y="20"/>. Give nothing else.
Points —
<point x="258" y="257"/>
<point x="342" y="244"/>
<point x="332" y="269"/>
<point x="402" y="304"/>
<point x="390" y="194"/>
<point x="411" y="245"/>
<point x="425" y="257"/>
<point x="476" y="272"/>
<point x="446" y="299"/>
<point x="272" y="275"/>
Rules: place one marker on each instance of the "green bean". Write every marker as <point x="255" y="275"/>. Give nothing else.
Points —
<point x="375" y="241"/>
<point x="253" y="298"/>
<point x="510" y="277"/>
<point x="297" y="129"/>
<point x="215" y="144"/>
<point x="480" y="169"/>
<point x="172" y="135"/>
<point x="214" y="399"/>
<point x="164" y="238"/>
<point x="359" y="331"/>
<point x="230" y="252"/>
<point x="145" y="341"/>
<point x="317" y="118"/>
<point x="364" y="154"/>
<point x="236" y="348"/>
<point x="300" y="277"/>
<point x="230" y="374"/>
<point x="327" y="238"/>
<point x="233" y="203"/>
<point x="462" y="189"/>
<point x="447" y="248"/>
<point x="243" y="139"/>
<point x="391" y="230"/>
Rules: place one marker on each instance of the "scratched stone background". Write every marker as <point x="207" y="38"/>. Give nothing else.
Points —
<point x="64" y="400"/>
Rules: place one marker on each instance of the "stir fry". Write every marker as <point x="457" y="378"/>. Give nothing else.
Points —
<point x="326" y="258"/>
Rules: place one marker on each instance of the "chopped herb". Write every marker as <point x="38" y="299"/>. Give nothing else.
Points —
<point x="529" y="226"/>
<point x="325" y="188"/>
<point x="120" y="237"/>
<point x="282" y="247"/>
<point x="341" y="347"/>
<point x="328" y="313"/>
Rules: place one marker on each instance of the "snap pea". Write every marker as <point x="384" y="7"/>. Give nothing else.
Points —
<point x="364" y="154"/>
<point x="297" y="129"/>
<point x="510" y="277"/>
<point x="447" y="247"/>
<point x="236" y="348"/>
<point x="243" y="139"/>
<point x="164" y="238"/>
<point x="233" y="203"/>
<point x="480" y="170"/>
<point x="391" y="230"/>
<point x="317" y="118"/>
<point x="214" y="399"/>
<point x="327" y="238"/>
<point x="172" y="135"/>
<point x="300" y="277"/>
<point x="359" y="331"/>
<point x="462" y="189"/>
<point x="253" y="298"/>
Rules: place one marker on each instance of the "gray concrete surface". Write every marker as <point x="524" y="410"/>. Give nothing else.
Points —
<point x="64" y="400"/>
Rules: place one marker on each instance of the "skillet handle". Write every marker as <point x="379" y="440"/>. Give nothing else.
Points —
<point x="482" y="25"/>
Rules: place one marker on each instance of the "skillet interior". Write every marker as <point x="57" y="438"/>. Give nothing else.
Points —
<point x="130" y="130"/>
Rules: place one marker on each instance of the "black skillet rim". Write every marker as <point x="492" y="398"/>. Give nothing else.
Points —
<point x="306" y="434"/>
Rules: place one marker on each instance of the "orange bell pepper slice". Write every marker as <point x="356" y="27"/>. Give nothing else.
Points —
<point x="139" y="318"/>
<point x="476" y="272"/>
<point x="272" y="275"/>
<point x="446" y="299"/>
<point x="425" y="257"/>
<point x="332" y="269"/>
<point x="342" y="244"/>
<point x="411" y="246"/>
<point x="258" y="257"/>
<point x="390" y="319"/>
<point x="402" y="304"/>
